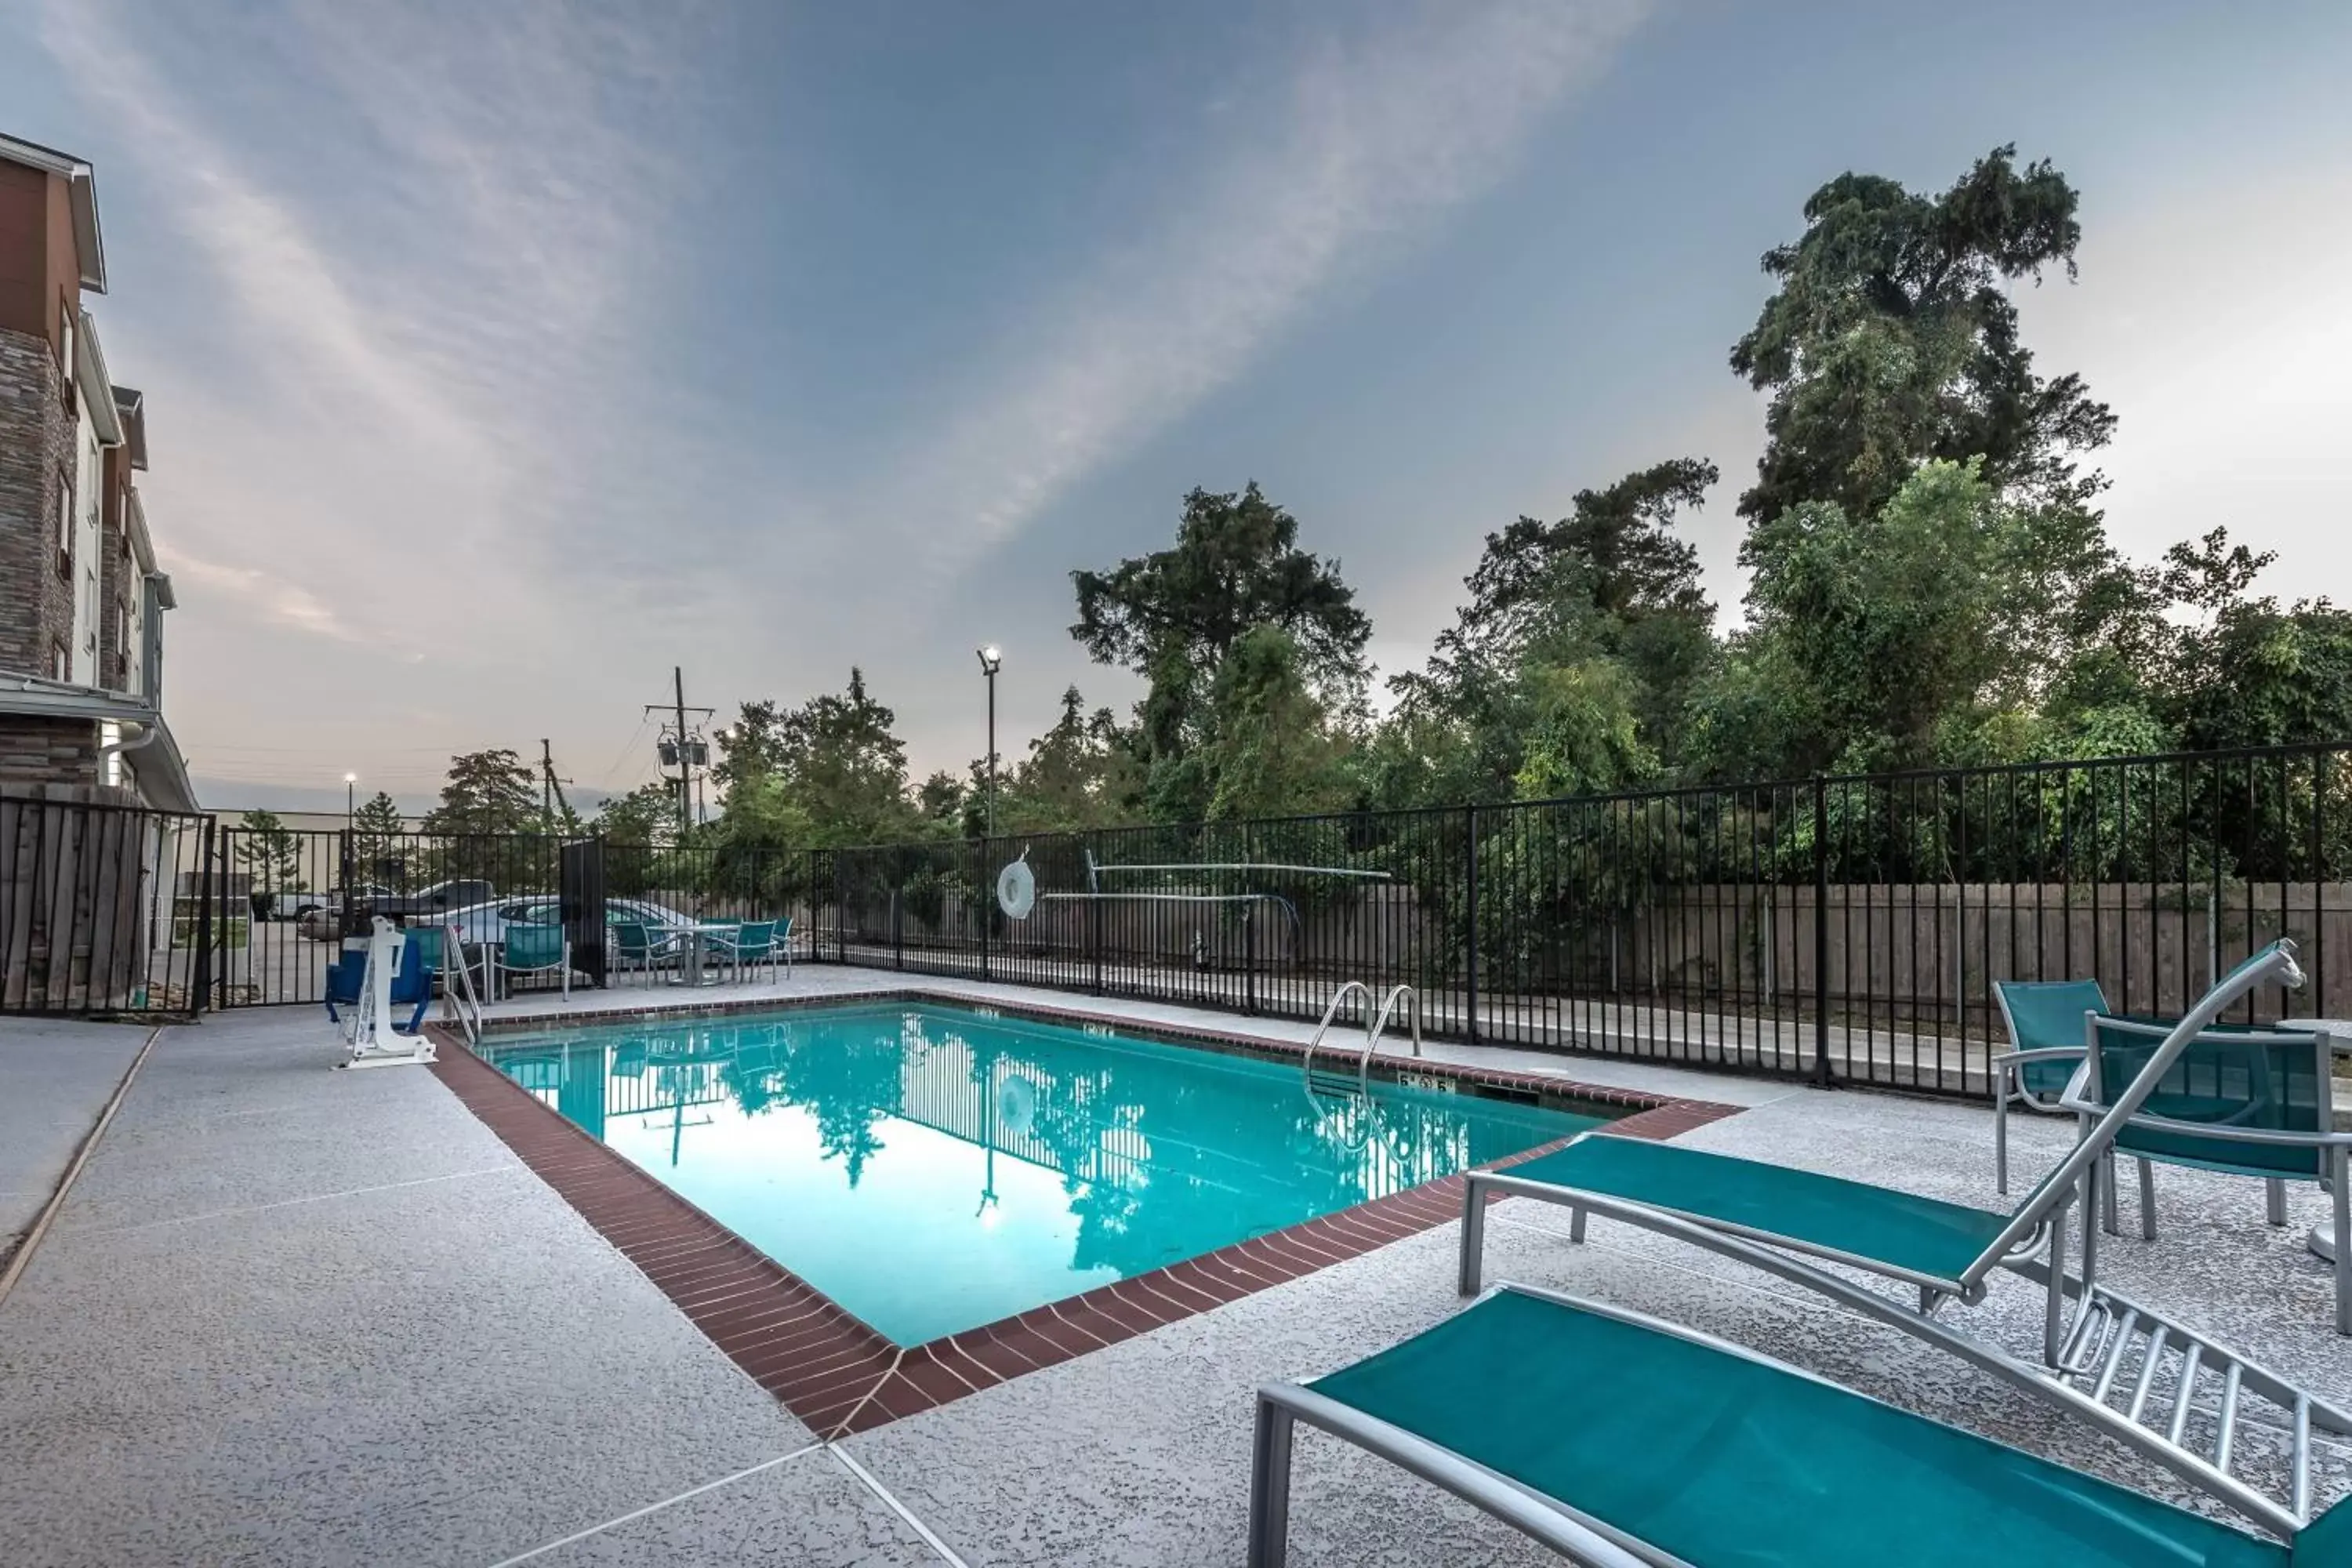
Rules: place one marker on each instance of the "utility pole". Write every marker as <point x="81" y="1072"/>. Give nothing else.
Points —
<point x="685" y="756"/>
<point x="678" y="746"/>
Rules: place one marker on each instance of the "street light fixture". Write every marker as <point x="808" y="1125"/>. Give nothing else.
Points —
<point x="991" y="660"/>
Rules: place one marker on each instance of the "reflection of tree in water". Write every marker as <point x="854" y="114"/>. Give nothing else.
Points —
<point x="1091" y="1109"/>
<point x="849" y="1080"/>
<point x="1138" y="1176"/>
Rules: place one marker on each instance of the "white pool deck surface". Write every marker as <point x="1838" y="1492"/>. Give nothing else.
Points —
<point x="290" y="1315"/>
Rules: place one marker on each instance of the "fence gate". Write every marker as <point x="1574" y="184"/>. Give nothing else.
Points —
<point x="582" y="897"/>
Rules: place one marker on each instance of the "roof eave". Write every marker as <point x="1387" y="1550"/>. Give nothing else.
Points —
<point x="97" y="392"/>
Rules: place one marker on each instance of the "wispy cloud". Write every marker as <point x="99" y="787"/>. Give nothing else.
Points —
<point x="428" y="365"/>
<point x="1368" y="146"/>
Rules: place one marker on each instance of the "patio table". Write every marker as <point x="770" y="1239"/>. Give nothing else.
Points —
<point x="690" y="965"/>
<point x="2340" y="1038"/>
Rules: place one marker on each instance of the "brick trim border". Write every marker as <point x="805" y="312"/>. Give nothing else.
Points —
<point x="839" y="1376"/>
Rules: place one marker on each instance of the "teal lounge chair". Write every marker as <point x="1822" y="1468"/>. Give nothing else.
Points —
<point x="527" y="948"/>
<point x="2044" y="1018"/>
<point x="1617" y="1440"/>
<point x="637" y="944"/>
<point x="749" y="945"/>
<point x="2254" y="1103"/>
<point x="1945" y="1251"/>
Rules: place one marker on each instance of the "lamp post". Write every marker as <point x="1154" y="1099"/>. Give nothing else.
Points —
<point x="350" y="813"/>
<point x="991" y="660"/>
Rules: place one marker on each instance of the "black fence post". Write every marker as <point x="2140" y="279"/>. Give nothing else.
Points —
<point x="201" y="992"/>
<point x="987" y="906"/>
<point x="1470" y="854"/>
<point x="1820" y="931"/>
<point x="840" y="912"/>
<point x="1094" y="932"/>
<point x="1249" y="959"/>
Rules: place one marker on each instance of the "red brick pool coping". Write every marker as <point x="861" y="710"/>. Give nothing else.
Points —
<point x="839" y="1376"/>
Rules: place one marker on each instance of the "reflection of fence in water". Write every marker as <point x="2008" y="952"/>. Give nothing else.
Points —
<point x="943" y="1086"/>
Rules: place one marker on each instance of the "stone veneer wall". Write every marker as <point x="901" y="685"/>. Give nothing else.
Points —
<point x="46" y="750"/>
<point x="35" y="435"/>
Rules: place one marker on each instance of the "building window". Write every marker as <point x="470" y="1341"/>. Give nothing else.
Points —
<point x="65" y="353"/>
<point x="60" y="662"/>
<point x="65" y="526"/>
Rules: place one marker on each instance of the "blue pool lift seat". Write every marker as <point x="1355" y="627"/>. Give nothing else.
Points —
<point x="412" y="983"/>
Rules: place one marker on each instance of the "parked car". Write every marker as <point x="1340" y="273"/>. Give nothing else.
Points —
<point x="319" y="916"/>
<point x="488" y="921"/>
<point x="435" y="902"/>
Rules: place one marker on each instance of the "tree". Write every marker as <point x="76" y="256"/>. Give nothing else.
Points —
<point x="1891" y="341"/>
<point x="1551" y="604"/>
<point x="1269" y="747"/>
<point x="485" y="793"/>
<point x="273" y="859"/>
<point x="830" y="772"/>
<point x="1081" y="772"/>
<point x="646" y="815"/>
<point x="376" y="829"/>
<point x="1172" y="617"/>
<point x="940" y="801"/>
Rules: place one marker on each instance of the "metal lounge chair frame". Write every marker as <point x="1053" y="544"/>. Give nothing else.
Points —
<point x="1586" y="1539"/>
<point x="2084" y="1357"/>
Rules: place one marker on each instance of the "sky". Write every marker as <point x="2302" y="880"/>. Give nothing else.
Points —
<point x="500" y="359"/>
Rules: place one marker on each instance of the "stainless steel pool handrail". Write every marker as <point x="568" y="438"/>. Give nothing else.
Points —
<point x="1373" y="1036"/>
<point x="457" y="995"/>
<point x="1306" y="1062"/>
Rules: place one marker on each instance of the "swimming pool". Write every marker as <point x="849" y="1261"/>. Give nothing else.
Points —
<point x="932" y="1168"/>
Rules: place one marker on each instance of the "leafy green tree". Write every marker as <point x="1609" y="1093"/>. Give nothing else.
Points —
<point x="486" y="793"/>
<point x="646" y="815"/>
<point x="1571" y="627"/>
<point x="1081" y="772"/>
<point x="830" y="772"/>
<point x="940" y="801"/>
<point x="1891" y="340"/>
<point x="1175" y="615"/>
<point x="1270" y="747"/>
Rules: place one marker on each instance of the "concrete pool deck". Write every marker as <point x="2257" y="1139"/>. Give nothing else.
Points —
<point x="288" y="1315"/>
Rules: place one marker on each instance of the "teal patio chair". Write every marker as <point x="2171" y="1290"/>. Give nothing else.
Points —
<point x="1945" y="1251"/>
<point x="1616" y="1440"/>
<point x="533" y="949"/>
<point x="2253" y="1102"/>
<point x="2045" y="1019"/>
<point x="637" y="944"/>
<point x="749" y="945"/>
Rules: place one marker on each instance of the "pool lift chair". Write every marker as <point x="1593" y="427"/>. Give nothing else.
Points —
<point x="393" y="974"/>
<point x="1686" y="1450"/>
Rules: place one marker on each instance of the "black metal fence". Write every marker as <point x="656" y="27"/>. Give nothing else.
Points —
<point x="1845" y="928"/>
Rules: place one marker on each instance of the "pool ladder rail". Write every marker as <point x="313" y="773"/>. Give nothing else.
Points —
<point x="1376" y="1025"/>
<point x="461" y="1003"/>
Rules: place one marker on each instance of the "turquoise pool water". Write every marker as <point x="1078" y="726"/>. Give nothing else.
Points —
<point x="932" y="1169"/>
